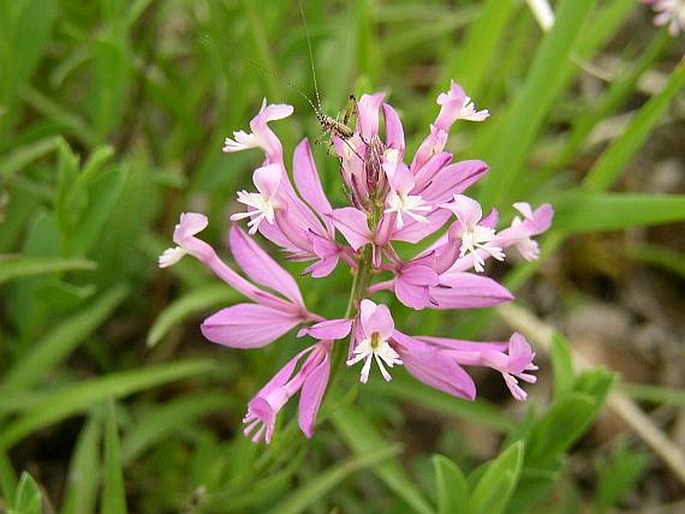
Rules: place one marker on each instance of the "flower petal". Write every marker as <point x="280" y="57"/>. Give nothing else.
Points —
<point x="307" y="179"/>
<point x="261" y="268"/>
<point x="434" y="367"/>
<point x="394" y="132"/>
<point x="352" y="223"/>
<point x="329" y="329"/>
<point x="368" y="110"/>
<point x="376" y="318"/>
<point x="459" y="290"/>
<point x="454" y="179"/>
<point x="248" y="325"/>
<point x="313" y="390"/>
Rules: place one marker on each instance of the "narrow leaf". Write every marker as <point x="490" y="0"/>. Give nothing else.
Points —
<point x="361" y="436"/>
<point x="28" y="498"/>
<point x="498" y="482"/>
<point x="31" y="266"/>
<point x="84" y="471"/>
<point x="62" y="340"/>
<point x="578" y="212"/>
<point x="114" y="495"/>
<point x="305" y="497"/>
<point x="68" y="401"/>
<point x="201" y="300"/>
<point x="453" y="490"/>
<point x="562" y="361"/>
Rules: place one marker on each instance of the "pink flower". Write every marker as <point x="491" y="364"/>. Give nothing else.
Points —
<point x="513" y="359"/>
<point x="456" y="105"/>
<point x="474" y="234"/>
<point x="311" y="380"/>
<point x="377" y="341"/>
<point x="669" y="12"/>
<point x="262" y="136"/>
<point x="264" y="203"/>
<point x="519" y="234"/>
<point x="392" y="197"/>
<point x="245" y="325"/>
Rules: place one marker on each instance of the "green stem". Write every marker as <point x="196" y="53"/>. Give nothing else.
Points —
<point x="360" y="290"/>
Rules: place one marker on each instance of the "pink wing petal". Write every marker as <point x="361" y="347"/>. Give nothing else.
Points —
<point x="329" y="329"/>
<point x="461" y="290"/>
<point x="352" y="223"/>
<point x="307" y="179"/>
<point x="413" y="231"/>
<point x="411" y="295"/>
<point x="190" y="224"/>
<point x="248" y="325"/>
<point x="261" y="268"/>
<point x="312" y="393"/>
<point x="467" y="210"/>
<point x="434" y="367"/>
<point x="275" y="112"/>
<point x="368" y="114"/>
<point x="453" y="179"/>
<point x="394" y="132"/>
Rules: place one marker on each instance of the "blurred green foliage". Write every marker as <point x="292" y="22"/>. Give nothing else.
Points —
<point x="112" y="117"/>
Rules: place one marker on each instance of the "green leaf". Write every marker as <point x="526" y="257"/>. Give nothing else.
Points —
<point x="111" y="85"/>
<point x="617" y="477"/>
<point x="199" y="300"/>
<point x="479" y="411"/>
<point x="30" y="266"/>
<point x="84" y="471"/>
<point x="363" y="438"/>
<point x="25" y="33"/>
<point x="578" y="212"/>
<point x="616" y="158"/>
<point x="56" y="406"/>
<point x="658" y="395"/>
<point x="62" y="340"/>
<point x="306" y="496"/>
<point x="21" y="157"/>
<point x="177" y="414"/>
<point x="28" y="498"/>
<point x="497" y="483"/>
<point x="103" y="194"/>
<point x="568" y="418"/>
<point x="453" y="490"/>
<point x="471" y="62"/>
<point x="8" y="477"/>
<point x="534" y="485"/>
<point x="533" y="102"/>
<point x="114" y="494"/>
<point x="562" y="362"/>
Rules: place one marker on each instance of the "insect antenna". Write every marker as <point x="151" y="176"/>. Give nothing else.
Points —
<point x="318" y="110"/>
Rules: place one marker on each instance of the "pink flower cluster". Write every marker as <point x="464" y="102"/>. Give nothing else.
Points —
<point x="392" y="198"/>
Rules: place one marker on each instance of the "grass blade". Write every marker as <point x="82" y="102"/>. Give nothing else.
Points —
<point x="363" y="438"/>
<point x="84" y="472"/>
<point x="114" y="494"/>
<point x="62" y="340"/>
<point x="614" y="160"/>
<point x="534" y="101"/>
<point x="31" y="266"/>
<point x="325" y="482"/>
<point x="56" y="406"/>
